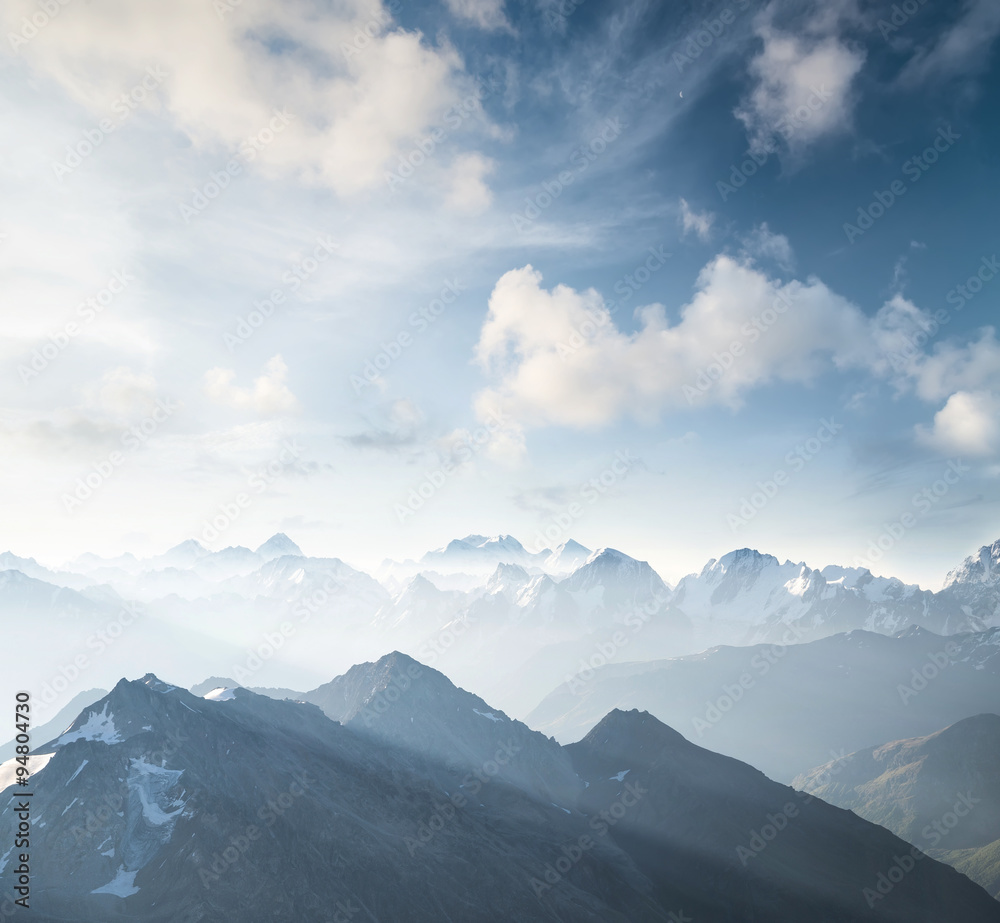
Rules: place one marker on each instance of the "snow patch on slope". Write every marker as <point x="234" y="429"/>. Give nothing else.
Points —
<point x="100" y="726"/>
<point x="220" y="694"/>
<point x="122" y="885"/>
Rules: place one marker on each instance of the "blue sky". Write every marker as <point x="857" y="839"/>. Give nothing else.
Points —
<point x="512" y="244"/>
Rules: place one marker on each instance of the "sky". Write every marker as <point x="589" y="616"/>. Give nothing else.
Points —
<point x="670" y="278"/>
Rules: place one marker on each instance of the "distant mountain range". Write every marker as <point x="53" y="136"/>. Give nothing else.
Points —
<point x="789" y="708"/>
<point x="941" y="792"/>
<point x="429" y="804"/>
<point x="510" y="623"/>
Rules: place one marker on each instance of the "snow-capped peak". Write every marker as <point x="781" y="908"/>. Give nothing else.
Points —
<point x="277" y="546"/>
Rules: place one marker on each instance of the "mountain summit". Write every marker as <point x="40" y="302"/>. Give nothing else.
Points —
<point x="278" y="545"/>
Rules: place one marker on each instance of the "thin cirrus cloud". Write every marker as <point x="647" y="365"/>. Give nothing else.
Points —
<point x="958" y="50"/>
<point x="350" y="105"/>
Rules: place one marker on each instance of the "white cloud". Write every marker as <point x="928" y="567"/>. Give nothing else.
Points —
<point x="965" y="376"/>
<point x="763" y="243"/>
<point x="954" y="367"/>
<point x="802" y="88"/>
<point x="269" y="395"/>
<point x="469" y="194"/>
<point x="487" y="14"/>
<point x="968" y="423"/>
<point x="961" y="49"/>
<point x="557" y="357"/>
<point x="358" y="88"/>
<point x="699" y="222"/>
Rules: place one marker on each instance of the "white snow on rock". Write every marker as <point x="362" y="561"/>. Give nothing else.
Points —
<point x="487" y="714"/>
<point x="621" y="776"/>
<point x="8" y="771"/>
<point x="4" y="859"/>
<point x="100" y="726"/>
<point x="78" y="771"/>
<point x="122" y="885"/>
<point x="220" y="694"/>
<point x="148" y="781"/>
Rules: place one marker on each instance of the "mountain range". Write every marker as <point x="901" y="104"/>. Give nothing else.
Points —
<point x="786" y="708"/>
<point x="511" y="623"/>
<point x="426" y="803"/>
<point x="940" y="792"/>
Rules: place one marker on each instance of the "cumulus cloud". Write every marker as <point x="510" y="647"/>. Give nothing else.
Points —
<point x="486" y="14"/>
<point x="699" y="222"/>
<point x="955" y="367"/>
<point x="269" y="396"/>
<point x="969" y="423"/>
<point x="357" y="86"/>
<point x="469" y="194"/>
<point x="960" y="49"/>
<point x="802" y="87"/>
<point x="966" y="376"/>
<point x="557" y="357"/>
